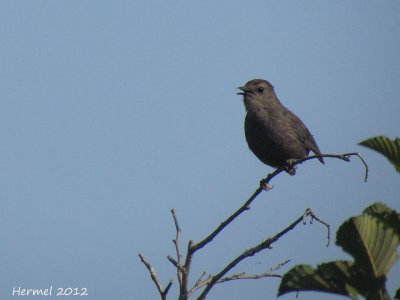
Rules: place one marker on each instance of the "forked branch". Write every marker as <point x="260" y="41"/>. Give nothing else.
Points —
<point x="183" y="270"/>
<point x="263" y="184"/>
<point x="266" y="244"/>
<point x="154" y="277"/>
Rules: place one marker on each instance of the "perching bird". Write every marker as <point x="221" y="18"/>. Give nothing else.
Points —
<point x="274" y="134"/>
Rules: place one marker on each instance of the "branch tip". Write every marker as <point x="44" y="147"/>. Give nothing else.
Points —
<point x="154" y="277"/>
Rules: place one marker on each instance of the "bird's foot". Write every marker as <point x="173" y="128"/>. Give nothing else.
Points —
<point x="264" y="185"/>
<point x="290" y="166"/>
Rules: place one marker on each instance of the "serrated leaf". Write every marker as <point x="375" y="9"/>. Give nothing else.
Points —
<point x="389" y="148"/>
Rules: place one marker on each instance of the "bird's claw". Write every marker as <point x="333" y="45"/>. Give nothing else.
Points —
<point x="290" y="166"/>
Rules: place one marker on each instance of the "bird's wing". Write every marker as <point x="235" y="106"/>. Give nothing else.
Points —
<point x="304" y="135"/>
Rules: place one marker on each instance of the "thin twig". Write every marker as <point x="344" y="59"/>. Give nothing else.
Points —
<point x="176" y="243"/>
<point x="313" y="216"/>
<point x="242" y="275"/>
<point x="154" y="277"/>
<point x="199" y="283"/>
<point x="200" y="280"/>
<point x="344" y="156"/>
<point x="278" y="266"/>
<point x="250" y="252"/>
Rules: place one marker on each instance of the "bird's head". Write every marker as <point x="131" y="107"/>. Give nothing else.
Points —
<point x="258" y="93"/>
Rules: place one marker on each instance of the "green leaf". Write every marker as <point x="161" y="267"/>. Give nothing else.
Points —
<point x="384" y="214"/>
<point x="331" y="277"/>
<point x="372" y="239"/>
<point x="377" y="208"/>
<point x="390" y="149"/>
<point x="397" y="296"/>
<point x="371" y="243"/>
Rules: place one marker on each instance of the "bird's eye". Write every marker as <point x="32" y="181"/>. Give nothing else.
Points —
<point x="261" y="89"/>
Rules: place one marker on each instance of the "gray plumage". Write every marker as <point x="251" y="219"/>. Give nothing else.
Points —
<point x="274" y="133"/>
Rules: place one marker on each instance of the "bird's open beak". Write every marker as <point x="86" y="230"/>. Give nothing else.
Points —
<point x="243" y="89"/>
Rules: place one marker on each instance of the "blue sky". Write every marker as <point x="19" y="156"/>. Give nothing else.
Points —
<point x="115" y="112"/>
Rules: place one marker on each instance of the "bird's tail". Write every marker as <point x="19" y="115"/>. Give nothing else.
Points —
<point x="320" y="158"/>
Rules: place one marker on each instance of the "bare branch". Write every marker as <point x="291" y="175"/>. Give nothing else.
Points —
<point x="183" y="295"/>
<point x="263" y="185"/>
<point x="314" y="217"/>
<point x="177" y="265"/>
<point x="200" y="279"/>
<point x="176" y="243"/>
<point x="199" y="283"/>
<point x="242" y="275"/>
<point x="165" y="292"/>
<point x="154" y="277"/>
<point x="344" y="156"/>
<point x="250" y="252"/>
<point x="184" y="270"/>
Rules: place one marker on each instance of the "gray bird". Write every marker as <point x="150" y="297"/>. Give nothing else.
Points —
<point x="274" y="134"/>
